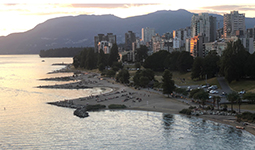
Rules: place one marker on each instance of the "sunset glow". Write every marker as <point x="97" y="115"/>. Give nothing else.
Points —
<point x="20" y="16"/>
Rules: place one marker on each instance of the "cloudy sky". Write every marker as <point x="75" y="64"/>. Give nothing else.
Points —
<point x="23" y="15"/>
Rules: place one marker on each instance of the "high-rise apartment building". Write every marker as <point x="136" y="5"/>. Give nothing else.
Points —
<point x="129" y="39"/>
<point x="203" y="25"/>
<point x="197" y="46"/>
<point x="251" y="33"/>
<point x="110" y="38"/>
<point x="147" y="34"/>
<point x="213" y="28"/>
<point x="233" y="22"/>
<point x="182" y="35"/>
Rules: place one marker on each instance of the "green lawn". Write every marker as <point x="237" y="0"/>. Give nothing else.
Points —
<point x="178" y="78"/>
<point x="243" y="106"/>
<point x="247" y="85"/>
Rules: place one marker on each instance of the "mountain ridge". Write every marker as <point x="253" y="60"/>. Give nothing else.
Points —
<point x="79" y="31"/>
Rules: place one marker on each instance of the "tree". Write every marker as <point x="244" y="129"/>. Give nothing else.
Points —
<point x="114" y="55"/>
<point x="101" y="60"/>
<point x="232" y="97"/>
<point x="197" y="68"/>
<point x="156" y="61"/>
<point x="123" y="76"/>
<point x="171" y="60"/>
<point x="141" y="53"/>
<point x="218" y="99"/>
<point x="143" y="77"/>
<point x="138" y="65"/>
<point x="194" y="91"/>
<point x="184" y="61"/>
<point x="90" y="62"/>
<point x="182" y="91"/>
<point x="249" y="66"/>
<point x="144" y="81"/>
<point x="110" y="73"/>
<point x="116" y="66"/>
<point x="168" y="83"/>
<point x="211" y="66"/>
<point x="239" y="102"/>
<point x="233" y="61"/>
<point x="76" y="61"/>
<point x="202" y="96"/>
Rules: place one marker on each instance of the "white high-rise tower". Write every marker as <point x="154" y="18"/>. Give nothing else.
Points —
<point x="147" y="34"/>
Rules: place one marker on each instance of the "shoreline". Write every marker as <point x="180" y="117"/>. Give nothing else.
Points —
<point x="144" y="99"/>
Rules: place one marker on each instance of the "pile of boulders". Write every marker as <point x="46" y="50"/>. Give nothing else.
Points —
<point x="210" y="112"/>
<point x="81" y="112"/>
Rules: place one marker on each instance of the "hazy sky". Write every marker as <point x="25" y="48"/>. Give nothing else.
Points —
<point x="22" y="15"/>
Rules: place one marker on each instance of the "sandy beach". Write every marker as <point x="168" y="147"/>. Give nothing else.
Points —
<point x="143" y="99"/>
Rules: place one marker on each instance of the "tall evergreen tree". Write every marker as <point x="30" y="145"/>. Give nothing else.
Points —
<point x="141" y="53"/>
<point x="211" y="66"/>
<point x="198" y="68"/>
<point x="249" y="66"/>
<point x="101" y="58"/>
<point x="233" y="61"/>
<point x="90" y="62"/>
<point x="168" y="84"/>
<point x="233" y="97"/>
<point x="184" y="62"/>
<point x="114" y="55"/>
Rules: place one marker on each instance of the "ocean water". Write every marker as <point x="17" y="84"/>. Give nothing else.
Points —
<point x="27" y="122"/>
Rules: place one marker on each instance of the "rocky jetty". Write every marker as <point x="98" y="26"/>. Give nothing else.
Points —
<point x="75" y="85"/>
<point x="81" y="112"/>
<point x="70" y="78"/>
<point x="66" y="103"/>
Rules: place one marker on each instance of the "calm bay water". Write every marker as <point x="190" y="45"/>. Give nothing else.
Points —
<point x="27" y="122"/>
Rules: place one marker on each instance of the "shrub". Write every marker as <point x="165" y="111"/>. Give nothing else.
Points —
<point x="95" y="107"/>
<point x="192" y="107"/>
<point x="225" y="107"/>
<point x="185" y="111"/>
<point x="117" y="106"/>
<point x="246" y="116"/>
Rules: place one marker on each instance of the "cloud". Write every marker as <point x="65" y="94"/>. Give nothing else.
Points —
<point x="230" y="7"/>
<point x="197" y="11"/>
<point x="111" y="6"/>
<point x="11" y="4"/>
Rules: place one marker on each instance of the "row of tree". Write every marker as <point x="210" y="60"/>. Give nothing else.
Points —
<point x="235" y="63"/>
<point x="207" y="66"/>
<point x="61" y="52"/>
<point x="233" y="97"/>
<point x="88" y="59"/>
<point x="175" y="61"/>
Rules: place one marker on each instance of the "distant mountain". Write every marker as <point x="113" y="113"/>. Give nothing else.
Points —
<point x="79" y="31"/>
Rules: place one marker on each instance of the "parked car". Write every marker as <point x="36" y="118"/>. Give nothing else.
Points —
<point x="242" y="92"/>
<point x="214" y="92"/>
<point x="205" y="86"/>
<point x="213" y="87"/>
<point x="188" y="89"/>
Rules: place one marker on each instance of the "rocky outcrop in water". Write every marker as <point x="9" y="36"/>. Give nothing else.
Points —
<point x="81" y="112"/>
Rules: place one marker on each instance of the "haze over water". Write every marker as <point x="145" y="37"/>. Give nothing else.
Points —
<point x="27" y="122"/>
